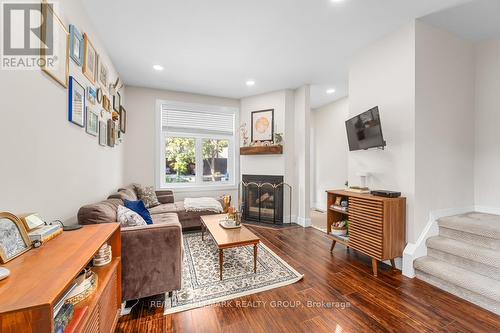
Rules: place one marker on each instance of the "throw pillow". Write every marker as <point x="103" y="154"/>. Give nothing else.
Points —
<point x="139" y="208"/>
<point x="129" y="218"/>
<point x="148" y="195"/>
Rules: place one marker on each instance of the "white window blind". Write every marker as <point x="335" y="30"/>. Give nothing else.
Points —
<point x="195" y="122"/>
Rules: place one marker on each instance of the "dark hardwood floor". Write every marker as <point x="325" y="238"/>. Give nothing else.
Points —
<point x="359" y="302"/>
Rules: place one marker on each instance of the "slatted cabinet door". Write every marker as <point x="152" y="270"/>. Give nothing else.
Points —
<point x="366" y="226"/>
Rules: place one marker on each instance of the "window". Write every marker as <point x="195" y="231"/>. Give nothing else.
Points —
<point x="196" y="145"/>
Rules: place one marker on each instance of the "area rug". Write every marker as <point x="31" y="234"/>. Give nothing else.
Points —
<point x="201" y="284"/>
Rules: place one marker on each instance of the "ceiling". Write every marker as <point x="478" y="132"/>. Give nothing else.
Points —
<point x="213" y="47"/>
<point x="476" y="20"/>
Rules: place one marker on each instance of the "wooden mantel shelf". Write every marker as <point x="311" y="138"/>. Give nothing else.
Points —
<point x="261" y="150"/>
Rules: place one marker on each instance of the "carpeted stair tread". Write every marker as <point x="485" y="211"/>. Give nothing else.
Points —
<point x="465" y="250"/>
<point x="466" y="279"/>
<point x="482" y="224"/>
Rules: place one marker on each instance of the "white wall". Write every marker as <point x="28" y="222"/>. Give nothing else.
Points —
<point x="487" y="148"/>
<point x="444" y="118"/>
<point x="329" y="150"/>
<point x="140" y="151"/>
<point x="384" y="75"/>
<point x="50" y="165"/>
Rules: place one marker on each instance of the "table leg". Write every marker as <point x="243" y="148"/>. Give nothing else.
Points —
<point x="202" y="231"/>
<point x="221" y="262"/>
<point x="333" y="245"/>
<point x="255" y="258"/>
<point x="393" y="263"/>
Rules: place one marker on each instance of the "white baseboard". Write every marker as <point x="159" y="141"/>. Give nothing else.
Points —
<point x="488" y="210"/>
<point x="319" y="206"/>
<point x="304" y="222"/>
<point x="418" y="249"/>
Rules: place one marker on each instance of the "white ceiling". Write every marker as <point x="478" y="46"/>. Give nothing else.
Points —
<point x="476" y="20"/>
<point x="213" y="46"/>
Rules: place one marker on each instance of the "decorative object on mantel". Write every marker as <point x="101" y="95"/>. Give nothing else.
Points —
<point x="76" y="113"/>
<point x="262" y="125"/>
<point x="14" y="239"/>
<point x="278" y="138"/>
<point x="59" y="58"/>
<point x="261" y="150"/>
<point x="244" y="134"/>
<point x="76" y="45"/>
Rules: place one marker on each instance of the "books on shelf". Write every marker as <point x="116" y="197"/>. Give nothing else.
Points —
<point x="77" y="318"/>
<point x="63" y="318"/>
<point x="62" y="300"/>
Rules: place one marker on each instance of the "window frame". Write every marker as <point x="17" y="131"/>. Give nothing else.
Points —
<point x="199" y="184"/>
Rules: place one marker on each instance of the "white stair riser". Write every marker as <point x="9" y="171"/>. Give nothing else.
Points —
<point x="477" y="267"/>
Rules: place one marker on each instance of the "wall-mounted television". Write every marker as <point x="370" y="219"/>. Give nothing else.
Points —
<point x="365" y="131"/>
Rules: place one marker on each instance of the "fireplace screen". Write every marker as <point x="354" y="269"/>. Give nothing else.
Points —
<point x="265" y="199"/>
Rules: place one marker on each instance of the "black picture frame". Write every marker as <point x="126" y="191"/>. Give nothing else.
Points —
<point x="254" y="119"/>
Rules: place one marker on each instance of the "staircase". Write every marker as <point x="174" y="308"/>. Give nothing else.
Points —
<point x="465" y="259"/>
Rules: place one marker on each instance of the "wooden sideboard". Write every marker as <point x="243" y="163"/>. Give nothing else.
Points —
<point x="377" y="225"/>
<point x="40" y="277"/>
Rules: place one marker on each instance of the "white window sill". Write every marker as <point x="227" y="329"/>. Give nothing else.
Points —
<point x="197" y="188"/>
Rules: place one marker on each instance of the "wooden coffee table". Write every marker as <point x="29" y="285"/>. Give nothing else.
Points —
<point x="228" y="238"/>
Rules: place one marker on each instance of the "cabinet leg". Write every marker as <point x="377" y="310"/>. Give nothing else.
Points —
<point x="375" y="267"/>
<point x="333" y="245"/>
<point x="393" y="264"/>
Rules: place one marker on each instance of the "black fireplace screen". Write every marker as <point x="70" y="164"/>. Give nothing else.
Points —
<point x="265" y="199"/>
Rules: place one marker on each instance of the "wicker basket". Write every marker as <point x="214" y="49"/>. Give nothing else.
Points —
<point x="85" y="293"/>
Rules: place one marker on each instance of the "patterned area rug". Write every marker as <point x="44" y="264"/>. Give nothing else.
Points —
<point x="201" y="285"/>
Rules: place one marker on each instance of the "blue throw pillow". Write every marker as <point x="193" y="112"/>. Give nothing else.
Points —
<point x="139" y="208"/>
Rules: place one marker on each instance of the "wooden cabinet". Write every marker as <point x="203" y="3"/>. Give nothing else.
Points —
<point x="377" y="225"/>
<point x="40" y="277"/>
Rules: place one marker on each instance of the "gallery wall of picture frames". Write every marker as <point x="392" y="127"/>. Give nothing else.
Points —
<point x="94" y="100"/>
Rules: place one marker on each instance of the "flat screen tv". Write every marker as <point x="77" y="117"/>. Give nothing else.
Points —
<point x="364" y="131"/>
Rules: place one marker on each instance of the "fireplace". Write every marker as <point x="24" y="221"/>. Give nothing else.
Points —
<point x="262" y="198"/>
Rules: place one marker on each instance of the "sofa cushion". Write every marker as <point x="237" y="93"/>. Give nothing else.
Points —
<point x="139" y="207"/>
<point x="101" y="212"/>
<point x="167" y="208"/>
<point x="169" y="218"/>
<point x="129" y="218"/>
<point x="148" y="195"/>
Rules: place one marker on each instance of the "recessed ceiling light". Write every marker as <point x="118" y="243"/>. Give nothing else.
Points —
<point x="158" y="67"/>
<point x="330" y="91"/>
<point x="250" y="83"/>
<point x="337" y="1"/>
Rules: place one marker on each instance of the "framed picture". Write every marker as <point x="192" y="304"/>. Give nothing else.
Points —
<point x="111" y="133"/>
<point x="54" y="61"/>
<point x="99" y="96"/>
<point x="76" y="45"/>
<point x="14" y="239"/>
<point x="92" y="126"/>
<point x="262" y="125"/>
<point x="106" y="104"/>
<point x="76" y="102"/>
<point x="103" y="135"/>
<point x="89" y="59"/>
<point x="117" y="99"/>
<point x="103" y="74"/>
<point x="91" y="95"/>
<point x="123" y="119"/>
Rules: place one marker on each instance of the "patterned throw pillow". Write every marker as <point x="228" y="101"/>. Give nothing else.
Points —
<point x="129" y="218"/>
<point x="148" y="195"/>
